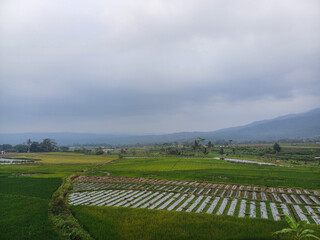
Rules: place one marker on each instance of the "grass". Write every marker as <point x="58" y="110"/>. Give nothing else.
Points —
<point x="55" y="165"/>
<point x="61" y="217"/>
<point x="127" y="223"/>
<point x="26" y="186"/>
<point x="212" y="170"/>
<point x="24" y="207"/>
<point x="45" y="170"/>
<point x="25" y="192"/>
<point x="24" y="217"/>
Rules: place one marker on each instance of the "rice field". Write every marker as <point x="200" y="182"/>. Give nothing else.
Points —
<point x="24" y="208"/>
<point x="214" y="170"/>
<point x="190" y="196"/>
<point x="204" y="198"/>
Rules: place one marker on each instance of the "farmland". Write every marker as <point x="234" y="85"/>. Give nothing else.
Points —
<point x="159" y="120"/>
<point x="195" y="196"/>
<point x="24" y="207"/>
<point x="213" y="170"/>
<point x="213" y="211"/>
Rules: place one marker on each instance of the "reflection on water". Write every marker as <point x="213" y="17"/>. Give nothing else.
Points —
<point x="232" y="160"/>
<point x="14" y="161"/>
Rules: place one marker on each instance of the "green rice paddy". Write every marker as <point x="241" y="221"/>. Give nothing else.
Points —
<point x="213" y="170"/>
<point x="127" y="223"/>
<point x="25" y="192"/>
<point x="24" y="207"/>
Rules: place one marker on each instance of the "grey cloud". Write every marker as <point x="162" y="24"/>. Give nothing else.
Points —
<point x="137" y="59"/>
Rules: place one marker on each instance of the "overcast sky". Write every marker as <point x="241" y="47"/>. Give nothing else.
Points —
<point x="135" y="66"/>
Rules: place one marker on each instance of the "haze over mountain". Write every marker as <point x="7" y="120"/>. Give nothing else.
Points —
<point x="293" y="126"/>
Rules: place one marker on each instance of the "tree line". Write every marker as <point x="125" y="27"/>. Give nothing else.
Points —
<point x="47" y="145"/>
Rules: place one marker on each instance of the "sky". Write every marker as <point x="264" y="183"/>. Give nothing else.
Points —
<point x="140" y="67"/>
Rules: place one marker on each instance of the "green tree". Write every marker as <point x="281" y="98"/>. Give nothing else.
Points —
<point x="48" y="145"/>
<point x="133" y="151"/>
<point x="6" y="147"/>
<point x="276" y="147"/>
<point x="99" y="151"/>
<point x="297" y="230"/>
<point x="205" y="150"/>
<point x="196" y="145"/>
<point x="63" y="149"/>
<point x="35" y="147"/>
<point x="221" y="151"/>
<point x="210" y="145"/>
<point x="233" y="150"/>
<point x="21" y="148"/>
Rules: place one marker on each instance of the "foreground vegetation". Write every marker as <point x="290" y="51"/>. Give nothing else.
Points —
<point x="26" y="193"/>
<point x="298" y="230"/>
<point x="24" y="207"/>
<point x="127" y="223"/>
<point x="61" y="217"/>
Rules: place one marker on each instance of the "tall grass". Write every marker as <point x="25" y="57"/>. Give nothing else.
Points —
<point x="127" y="223"/>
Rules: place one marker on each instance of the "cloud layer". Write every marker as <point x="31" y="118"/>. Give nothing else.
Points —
<point x="155" y="66"/>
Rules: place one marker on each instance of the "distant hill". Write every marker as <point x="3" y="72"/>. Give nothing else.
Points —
<point x="293" y="126"/>
<point x="298" y="126"/>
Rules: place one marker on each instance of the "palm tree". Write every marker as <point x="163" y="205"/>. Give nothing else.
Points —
<point x="297" y="229"/>
<point x="29" y="142"/>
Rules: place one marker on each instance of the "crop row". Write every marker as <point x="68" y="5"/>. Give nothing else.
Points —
<point x="176" y="201"/>
<point x="85" y="179"/>
<point x="226" y="191"/>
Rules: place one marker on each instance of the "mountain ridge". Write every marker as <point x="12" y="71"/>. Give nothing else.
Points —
<point x="295" y="126"/>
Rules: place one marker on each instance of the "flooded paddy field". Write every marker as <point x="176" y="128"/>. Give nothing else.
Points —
<point x="8" y="161"/>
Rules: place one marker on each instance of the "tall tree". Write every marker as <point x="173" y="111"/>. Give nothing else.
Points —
<point x="35" y="147"/>
<point x="221" y="151"/>
<point x="276" y="147"/>
<point x="196" y="145"/>
<point x="48" y="145"/>
<point x="29" y="142"/>
<point x="21" y="148"/>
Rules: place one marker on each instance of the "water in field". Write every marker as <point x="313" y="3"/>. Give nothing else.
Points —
<point x="232" y="160"/>
<point x="4" y="161"/>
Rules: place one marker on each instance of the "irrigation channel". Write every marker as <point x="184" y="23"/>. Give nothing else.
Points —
<point x="210" y="198"/>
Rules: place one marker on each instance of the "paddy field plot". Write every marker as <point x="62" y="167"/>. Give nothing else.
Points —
<point x="216" y="171"/>
<point x="191" y="196"/>
<point x="105" y="206"/>
<point x="24" y="207"/>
